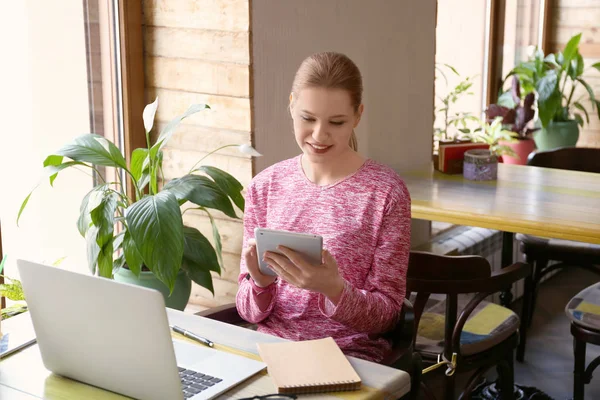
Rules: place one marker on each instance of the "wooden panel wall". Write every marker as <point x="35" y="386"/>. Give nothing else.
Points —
<point x="199" y="51"/>
<point x="570" y="17"/>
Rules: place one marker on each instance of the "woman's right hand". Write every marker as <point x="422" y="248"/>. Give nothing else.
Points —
<point x="250" y="255"/>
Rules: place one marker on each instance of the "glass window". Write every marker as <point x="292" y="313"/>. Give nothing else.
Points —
<point x="53" y="91"/>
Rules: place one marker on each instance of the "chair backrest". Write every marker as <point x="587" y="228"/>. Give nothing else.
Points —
<point x="571" y="158"/>
<point x="430" y="273"/>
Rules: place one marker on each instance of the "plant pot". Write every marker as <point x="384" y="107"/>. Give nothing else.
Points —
<point x="181" y="292"/>
<point x="557" y="134"/>
<point x="522" y="148"/>
<point x="480" y="165"/>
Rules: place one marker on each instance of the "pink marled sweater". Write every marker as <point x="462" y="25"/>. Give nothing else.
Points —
<point x="365" y="223"/>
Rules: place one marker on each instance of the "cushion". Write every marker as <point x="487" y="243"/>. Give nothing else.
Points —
<point x="584" y="308"/>
<point x="560" y="244"/>
<point x="488" y="325"/>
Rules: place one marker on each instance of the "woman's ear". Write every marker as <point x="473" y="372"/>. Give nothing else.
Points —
<point x="361" y="108"/>
<point x="291" y="102"/>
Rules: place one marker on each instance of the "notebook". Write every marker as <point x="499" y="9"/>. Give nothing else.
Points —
<point x="17" y="333"/>
<point x="311" y="366"/>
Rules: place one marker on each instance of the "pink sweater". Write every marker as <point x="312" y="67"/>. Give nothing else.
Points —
<point x="365" y="223"/>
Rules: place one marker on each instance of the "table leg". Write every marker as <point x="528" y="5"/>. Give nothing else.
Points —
<point x="507" y="260"/>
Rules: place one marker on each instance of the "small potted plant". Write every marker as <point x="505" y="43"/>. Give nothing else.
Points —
<point x="555" y="78"/>
<point x="140" y="237"/>
<point x="450" y="132"/>
<point x="482" y="164"/>
<point x="517" y="116"/>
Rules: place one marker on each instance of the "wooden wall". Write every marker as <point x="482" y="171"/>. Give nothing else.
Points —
<point x="570" y="17"/>
<point x="198" y="51"/>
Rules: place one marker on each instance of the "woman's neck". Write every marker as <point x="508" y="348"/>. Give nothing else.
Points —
<point x="327" y="173"/>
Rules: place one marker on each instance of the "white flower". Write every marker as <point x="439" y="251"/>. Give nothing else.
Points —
<point x="247" y="149"/>
<point x="148" y="115"/>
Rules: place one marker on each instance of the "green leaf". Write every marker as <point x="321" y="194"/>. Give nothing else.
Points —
<point x="549" y="97"/>
<point x="102" y="217"/>
<point x="53" y="170"/>
<point x="216" y="237"/>
<point x="547" y="85"/>
<point x="91" y="200"/>
<point x="579" y="120"/>
<point x="156" y="226"/>
<point x="2" y="263"/>
<point x="596" y="65"/>
<point x="139" y="158"/>
<point x="201" y="276"/>
<point x="94" y="149"/>
<point x="231" y="186"/>
<point x="13" y="290"/>
<point x="571" y="49"/>
<point x="93" y="250"/>
<point x="198" y="249"/>
<point x="589" y="90"/>
<point x="132" y="255"/>
<point x="24" y="204"/>
<point x="169" y="129"/>
<point x="201" y="191"/>
<point x="582" y="108"/>
<point x="118" y="263"/>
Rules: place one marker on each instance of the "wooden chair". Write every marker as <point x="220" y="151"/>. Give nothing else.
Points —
<point x="539" y="251"/>
<point x="482" y="336"/>
<point x="401" y="356"/>
<point x="582" y="310"/>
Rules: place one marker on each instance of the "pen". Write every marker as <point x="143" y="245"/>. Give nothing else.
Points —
<point x="191" y="335"/>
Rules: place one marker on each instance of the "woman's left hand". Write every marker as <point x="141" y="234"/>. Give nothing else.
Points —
<point x="324" y="278"/>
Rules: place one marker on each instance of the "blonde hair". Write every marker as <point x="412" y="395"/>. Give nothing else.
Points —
<point x="332" y="71"/>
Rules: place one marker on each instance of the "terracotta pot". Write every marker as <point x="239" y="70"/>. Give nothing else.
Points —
<point x="522" y="148"/>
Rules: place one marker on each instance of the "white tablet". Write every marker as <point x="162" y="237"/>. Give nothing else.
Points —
<point x="309" y="246"/>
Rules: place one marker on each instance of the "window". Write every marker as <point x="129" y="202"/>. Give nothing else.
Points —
<point x="69" y="75"/>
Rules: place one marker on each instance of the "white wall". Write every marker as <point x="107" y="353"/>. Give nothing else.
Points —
<point x="392" y="42"/>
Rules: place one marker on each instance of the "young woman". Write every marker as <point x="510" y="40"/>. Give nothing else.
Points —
<point x="360" y="207"/>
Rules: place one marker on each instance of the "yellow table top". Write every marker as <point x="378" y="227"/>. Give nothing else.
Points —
<point x="23" y="375"/>
<point x="546" y="202"/>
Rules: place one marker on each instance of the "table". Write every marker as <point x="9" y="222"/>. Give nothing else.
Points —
<point x="23" y="376"/>
<point x="545" y="202"/>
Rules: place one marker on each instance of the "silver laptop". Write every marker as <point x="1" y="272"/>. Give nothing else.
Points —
<point x="116" y="336"/>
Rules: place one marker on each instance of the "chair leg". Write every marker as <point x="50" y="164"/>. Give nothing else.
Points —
<point x="524" y="318"/>
<point x="450" y="383"/>
<point x="579" y="371"/>
<point x="506" y="378"/>
<point x="539" y="265"/>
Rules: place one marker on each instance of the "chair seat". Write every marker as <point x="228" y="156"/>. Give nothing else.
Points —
<point x="584" y="308"/>
<point x="560" y="245"/>
<point x="488" y="325"/>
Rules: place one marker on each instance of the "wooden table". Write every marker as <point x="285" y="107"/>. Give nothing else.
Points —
<point x="538" y="201"/>
<point x="545" y="202"/>
<point x="23" y="375"/>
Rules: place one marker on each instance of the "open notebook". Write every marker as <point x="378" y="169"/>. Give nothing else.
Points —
<point x="310" y="366"/>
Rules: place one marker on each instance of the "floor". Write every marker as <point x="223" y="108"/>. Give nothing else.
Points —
<point x="549" y="356"/>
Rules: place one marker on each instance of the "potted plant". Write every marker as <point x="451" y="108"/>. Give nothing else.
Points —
<point x="140" y="237"/>
<point x="454" y="125"/>
<point x="482" y="164"/>
<point x="517" y="116"/>
<point x="555" y="78"/>
<point x="12" y="289"/>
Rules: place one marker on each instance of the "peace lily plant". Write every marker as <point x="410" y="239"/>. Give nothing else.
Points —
<point x="145" y="228"/>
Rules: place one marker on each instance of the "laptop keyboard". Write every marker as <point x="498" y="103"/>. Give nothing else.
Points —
<point x="193" y="382"/>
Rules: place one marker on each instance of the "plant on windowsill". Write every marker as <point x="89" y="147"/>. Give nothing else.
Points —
<point x="451" y="126"/>
<point x="144" y="231"/>
<point x="12" y="290"/>
<point x="517" y="116"/>
<point x="482" y="164"/>
<point x="555" y="78"/>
